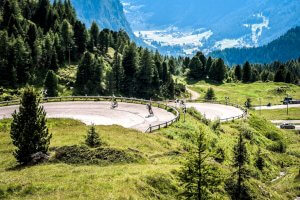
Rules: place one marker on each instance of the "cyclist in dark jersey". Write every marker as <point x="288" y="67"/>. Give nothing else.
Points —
<point x="114" y="103"/>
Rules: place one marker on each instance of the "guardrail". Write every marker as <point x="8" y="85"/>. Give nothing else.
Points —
<point x="245" y="110"/>
<point x="108" y="98"/>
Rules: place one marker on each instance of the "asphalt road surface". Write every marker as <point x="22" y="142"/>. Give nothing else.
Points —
<point x="127" y="115"/>
<point x="295" y="122"/>
<point x="297" y="127"/>
<point x="216" y="111"/>
<point x="276" y="107"/>
<point x="99" y="113"/>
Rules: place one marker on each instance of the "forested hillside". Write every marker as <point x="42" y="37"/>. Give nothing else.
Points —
<point x="202" y="68"/>
<point x="38" y="36"/>
<point x="284" y="48"/>
<point x="45" y="45"/>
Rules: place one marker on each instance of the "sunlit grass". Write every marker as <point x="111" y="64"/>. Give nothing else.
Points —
<point x="258" y="91"/>
<point x="280" y="114"/>
<point x="155" y="178"/>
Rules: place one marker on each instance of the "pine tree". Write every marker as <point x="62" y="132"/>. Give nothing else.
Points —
<point x="209" y="63"/>
<point x="218" y="70"/>
<point x="51" y="84"/>
<point x="289" y="77"/>
<point x="239" y="190"/>
<point x="196" y="68"/>
<point x="84" y="73"/>
<point x="92" y="138"/>
<point x="97" y="77"/>
<point x="69" y="12"/>
<point x="186" y="62"/>
<point x="171" y="87"/>
<point x="94" y="35"/>
<point x="29" y="131"/>
<point x="104" y="40"/>
<point x="32" y="35"/>
<point x="117" y="73"/>
<point x="238" y="72"/>
<point x="264" y="75"/>
<point x="42" y="14"/>
<point x="198" y="178"/>
<point x="89" y="75"/>
<point x="155" y="81"/>
<point x="4" y="67"/>
<point x="248" y="103"/>
<point x="172" y="65"/>
<point x="246" y="72"/>
<point x="145" y="75"/>
<point x="260" y="162"/>
<point x="129" y="64"/>
<point x="67" y="34"/>
<point x="59" y="49"/>
<point x="54" y="61"/>
<point x="280" y="75"/>
<point x="254" y="75"/>
<point x="11" y="12"/>
<point x="202" y="58"/>
<point x="210" y="94"/>
<point x="165" y="71"/>
<point x="47" y="51"/>
<point x="21" y="59"/>
<point x="80" y="38"/>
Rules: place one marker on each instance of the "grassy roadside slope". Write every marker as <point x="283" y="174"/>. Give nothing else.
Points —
<point x="153" y="177"/>
<point x="64" y="181"/>
<point x="279" y="114"/>
<point x="238" y="92"/>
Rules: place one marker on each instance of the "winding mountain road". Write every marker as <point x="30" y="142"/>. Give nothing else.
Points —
<point x="99" y="113"/>
<point x="128" y="115"/>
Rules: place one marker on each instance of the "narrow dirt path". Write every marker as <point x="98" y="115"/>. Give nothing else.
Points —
<point x="194" y="95"/>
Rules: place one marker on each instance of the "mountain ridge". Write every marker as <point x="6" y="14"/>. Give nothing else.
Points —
<point x="284" y="48"/>
<point x="239" y="23"/>
<point x="106" y="13"/>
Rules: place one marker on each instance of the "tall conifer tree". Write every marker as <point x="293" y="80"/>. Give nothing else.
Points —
<point x="29" y="131"/>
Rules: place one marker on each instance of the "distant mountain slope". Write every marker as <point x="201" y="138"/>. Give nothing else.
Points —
<point x="284" y="48"/>
<point x="107" y="13"/>
<point x="164" y="24"/>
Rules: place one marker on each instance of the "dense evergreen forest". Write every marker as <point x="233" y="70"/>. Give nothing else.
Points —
<point x="201" y="68"/>
<point x="285" y="48"/>
<point x="37" y="36"/>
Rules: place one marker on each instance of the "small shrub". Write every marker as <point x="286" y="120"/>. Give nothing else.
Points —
<point x="216" y="125"/>
<point x="274" y="136"/>
<point x="101" y="156"/>
<point x="210" y="94"/>
<point x="213" y="143"/>
<point x="248" y="134"/>
<point x="248" y="103"/>
<point x="92" y="138"/>
<point x="278" y="146"/>
<point x="162" y="184"/>
<point x="260" y="162"/>
<point x="192" y="111"/>
<point x="220" y="155"/>
<point x="197" y="115"/>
